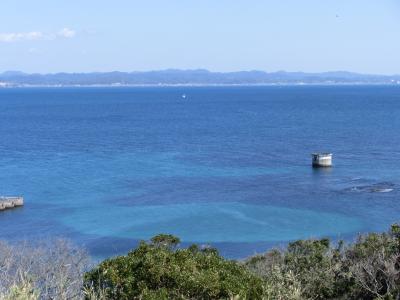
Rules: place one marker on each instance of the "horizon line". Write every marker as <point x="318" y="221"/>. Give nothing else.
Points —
<point x="197" y="70"/>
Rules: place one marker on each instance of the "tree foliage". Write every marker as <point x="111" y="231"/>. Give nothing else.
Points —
<point x="159" y="269"/>
<point x="314" y="269"/>
<point x="156" y="270"/>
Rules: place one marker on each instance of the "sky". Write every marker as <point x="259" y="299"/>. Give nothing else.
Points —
<point x="48" y="36"/>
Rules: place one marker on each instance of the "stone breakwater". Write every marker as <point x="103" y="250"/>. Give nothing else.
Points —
<point x="10" y="202"/>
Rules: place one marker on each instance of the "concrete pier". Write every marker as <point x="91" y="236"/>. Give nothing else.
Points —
<point x="10" y="202"/>
<point x="321" y="160"/>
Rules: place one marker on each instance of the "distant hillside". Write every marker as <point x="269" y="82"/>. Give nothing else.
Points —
<point x="191" y="77"/>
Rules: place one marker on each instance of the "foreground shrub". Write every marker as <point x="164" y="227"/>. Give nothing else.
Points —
<point x="367" y="269"/>
<point x="373" y="265"/>
<point x="157" y="270"/>
<point x="282" y="285"/>
<point x="46" y="270"/>
<point x="305" y="270"/>
<point x="23" y="291"/>
<point x="314" y="269"/>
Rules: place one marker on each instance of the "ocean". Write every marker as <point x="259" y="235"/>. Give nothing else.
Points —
<point x="228" y="167"/>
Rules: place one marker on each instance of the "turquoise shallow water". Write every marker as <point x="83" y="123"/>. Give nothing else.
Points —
<point x="212" y="222"/>
<point x="227" y="166"/>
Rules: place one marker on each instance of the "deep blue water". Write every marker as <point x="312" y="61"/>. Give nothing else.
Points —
<point x="228" y="166"/>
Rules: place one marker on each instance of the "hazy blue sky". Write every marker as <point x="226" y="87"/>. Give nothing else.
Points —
<point x="220" y="35"/>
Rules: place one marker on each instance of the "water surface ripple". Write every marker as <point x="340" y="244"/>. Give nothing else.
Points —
<point x="229" y="166"/>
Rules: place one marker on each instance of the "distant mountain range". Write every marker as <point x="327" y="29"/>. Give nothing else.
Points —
<point x="190" y="77"/>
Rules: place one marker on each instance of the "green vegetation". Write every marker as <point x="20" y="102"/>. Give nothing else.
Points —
<point x="369" y="268"/>
<point x="158" y="270"/>
<point x="314" y="269"/>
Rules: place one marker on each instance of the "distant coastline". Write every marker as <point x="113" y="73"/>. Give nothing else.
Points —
<point x="190" y="85"/>
<point x="196" y="85"/>
<point x="191" y="78"/>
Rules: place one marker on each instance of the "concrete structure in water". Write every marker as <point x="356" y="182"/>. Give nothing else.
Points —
<point x="321" y="160"/>
<point x="10" y="202"/>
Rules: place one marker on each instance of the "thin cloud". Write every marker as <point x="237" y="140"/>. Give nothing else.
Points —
<point x="21" y="36"/>
<point x="66" y="33"/>
<point x="12" y="37"/>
